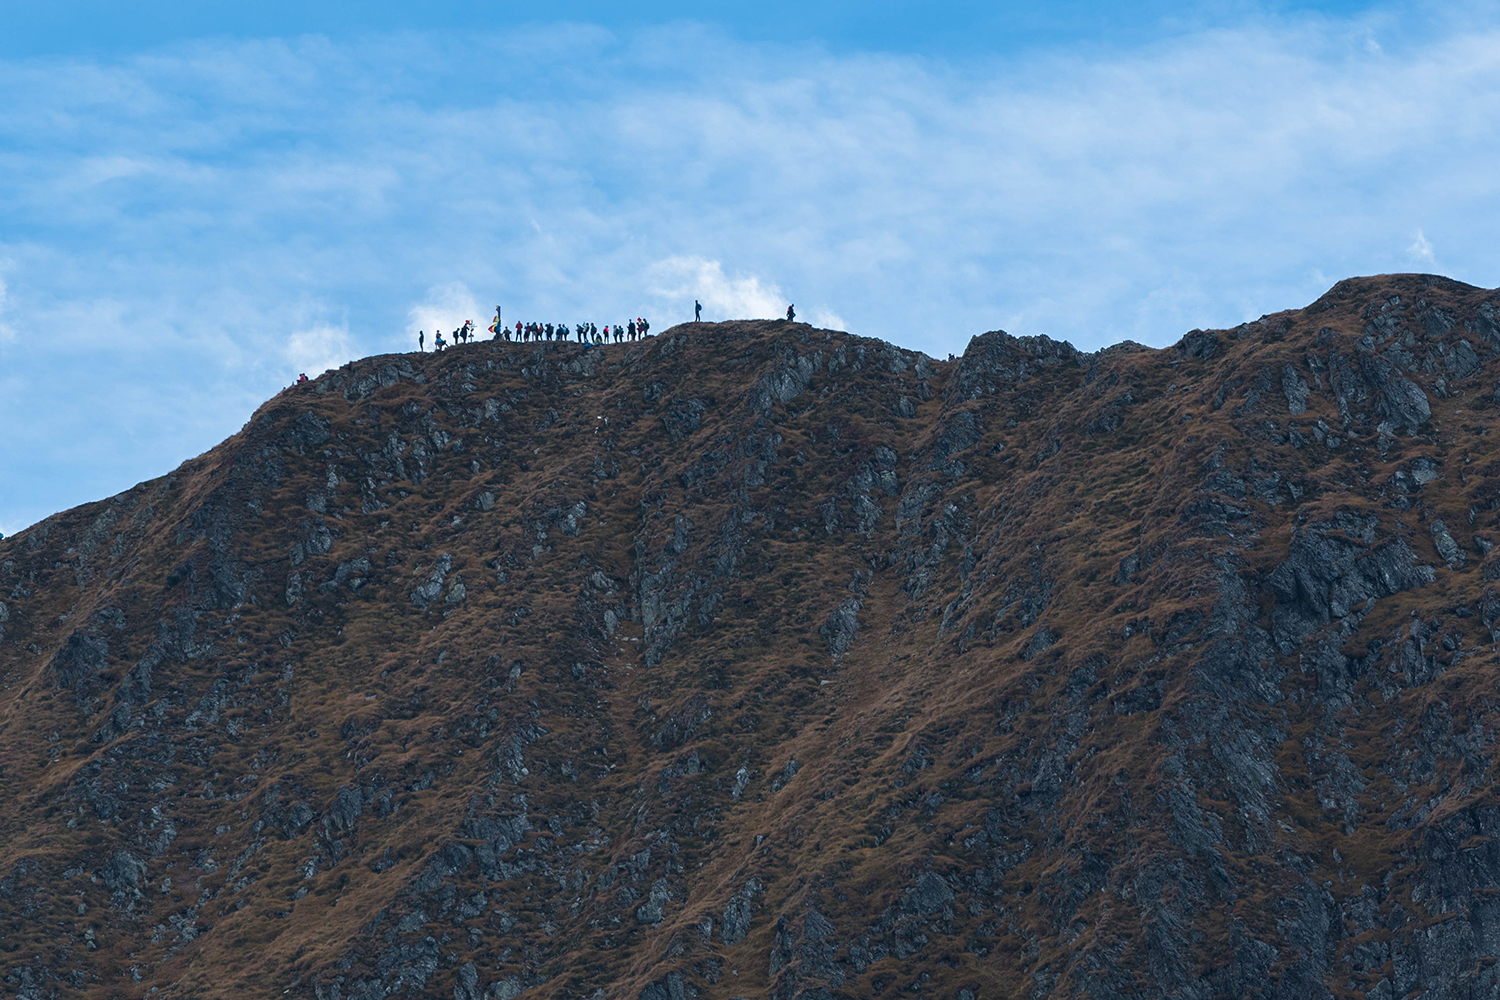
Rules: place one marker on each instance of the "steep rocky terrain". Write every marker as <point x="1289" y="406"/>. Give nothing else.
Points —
<point x="758" y="660"/>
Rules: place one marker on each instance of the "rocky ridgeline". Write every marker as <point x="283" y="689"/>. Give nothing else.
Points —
<point x="763" y="661"/>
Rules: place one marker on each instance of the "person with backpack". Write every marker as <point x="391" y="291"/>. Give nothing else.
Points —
<point x="697" y="311"/>
<point x="791" y="314"/>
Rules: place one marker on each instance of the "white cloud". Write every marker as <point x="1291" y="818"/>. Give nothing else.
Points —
<point x="827" y="319"/>
<point x="319" y="348"/>
<point x="444" y="310"/>
<point x="1420" y="249"/>
<point x="678" y="281"/>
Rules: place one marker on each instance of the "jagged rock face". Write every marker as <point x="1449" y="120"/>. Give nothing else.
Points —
<point x="759" y="660"/>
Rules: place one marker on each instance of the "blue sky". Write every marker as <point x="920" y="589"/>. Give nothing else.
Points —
<point x="195" y="205"/>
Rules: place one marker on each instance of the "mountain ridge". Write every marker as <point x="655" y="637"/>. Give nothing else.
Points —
<point x="793" y="664"/>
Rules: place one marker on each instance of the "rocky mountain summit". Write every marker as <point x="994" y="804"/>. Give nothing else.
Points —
<point x="757" y="660"/>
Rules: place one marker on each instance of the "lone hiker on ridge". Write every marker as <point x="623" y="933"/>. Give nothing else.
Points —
<point x="697" y="311"/>
<point x="421" y="337"/>
<point x="791" y="314"/>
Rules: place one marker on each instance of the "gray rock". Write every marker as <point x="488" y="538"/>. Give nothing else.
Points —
<point x="307" y="431"/>
<point x="684" y="418"/>
<point x="467" y="987"/>
<point x="1332" y="567"/>
<point x="572" y="522"/>
<point x="317" y="539"/>
<point x="428" y="591"/>
<point x="784" y="384"/>
<point x="297" y="818"/>
<point x="1397" y="397"/>
<point x="1296" y="390"/>
<point x="737" y="913"/>
<point x="1043" y="640"/>
<point x="123" y="872"/>
<point x="353" y="573"/>
<point x="1199" y="345"/>
<point x="670" y="987"/>
<point x="1462" y="361"/>
<point x="842" y="626"/>
<point x="344" y="810"/>
<point x="649" y="912"/>
<point x="1447" y="548"/>
<point x="931" y="893"/>
<point x="363" y="384"/>
<point x="961" y="431"/>
<point x="997" y="359"/>
<point x="78" y="664"/>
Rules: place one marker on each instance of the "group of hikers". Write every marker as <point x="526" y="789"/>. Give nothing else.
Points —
<point x="583" y="333"/>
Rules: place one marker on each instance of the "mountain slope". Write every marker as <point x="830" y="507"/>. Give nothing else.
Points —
<point x="760" y="660"/>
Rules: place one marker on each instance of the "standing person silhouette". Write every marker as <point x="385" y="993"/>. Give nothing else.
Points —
<point x="697" y="311"/>
<point x="791" y="314"/>
<point x="421" y="337"/>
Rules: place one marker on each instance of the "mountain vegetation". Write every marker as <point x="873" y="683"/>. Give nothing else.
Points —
<point x="758" y="660"/>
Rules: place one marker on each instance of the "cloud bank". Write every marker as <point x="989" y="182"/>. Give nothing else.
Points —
<point x="185" y="230"/>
